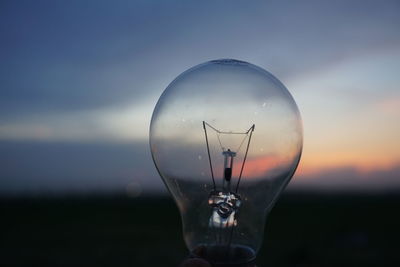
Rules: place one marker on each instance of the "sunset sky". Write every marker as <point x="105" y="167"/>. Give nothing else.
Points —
<point x="79" y="81"/>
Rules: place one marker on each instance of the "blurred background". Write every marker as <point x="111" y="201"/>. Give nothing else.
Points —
<point x="78" y="84"/>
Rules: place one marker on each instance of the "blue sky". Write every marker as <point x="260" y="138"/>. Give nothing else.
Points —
<point x="79" y="81"/>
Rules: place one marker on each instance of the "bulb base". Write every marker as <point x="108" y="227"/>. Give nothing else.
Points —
<point x="224" y="256"/>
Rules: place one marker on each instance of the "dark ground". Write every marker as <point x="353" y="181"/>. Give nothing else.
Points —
<point x="302" y="230"/>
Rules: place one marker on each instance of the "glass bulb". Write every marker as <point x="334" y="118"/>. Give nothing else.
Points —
<point x="226" y="138"/>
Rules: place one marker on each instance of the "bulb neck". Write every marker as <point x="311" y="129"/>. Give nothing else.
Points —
<point x="225" y="256"/>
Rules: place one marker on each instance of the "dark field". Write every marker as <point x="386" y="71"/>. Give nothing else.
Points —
<point x="302" y="230"/>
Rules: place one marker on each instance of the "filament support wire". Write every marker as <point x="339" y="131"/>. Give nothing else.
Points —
<point x="248" y="134"/>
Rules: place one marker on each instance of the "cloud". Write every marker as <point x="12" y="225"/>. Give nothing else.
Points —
<point x="57" y="168"/>
<point x="75" y="56"/>
<point x="70" y="167"/>
<point x="118" y="124"/>
<point x="77" y="77"/>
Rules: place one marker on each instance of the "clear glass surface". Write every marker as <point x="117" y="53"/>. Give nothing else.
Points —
<point x="226" y="138"/>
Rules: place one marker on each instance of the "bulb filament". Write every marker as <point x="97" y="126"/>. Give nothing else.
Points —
<point x="225" y="203"/>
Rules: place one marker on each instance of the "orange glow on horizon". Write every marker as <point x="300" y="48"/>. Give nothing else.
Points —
<point x="314" y="164"/>
<point x="257" y="167"/>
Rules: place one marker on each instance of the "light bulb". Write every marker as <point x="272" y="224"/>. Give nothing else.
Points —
<point x="226" y="138"/>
